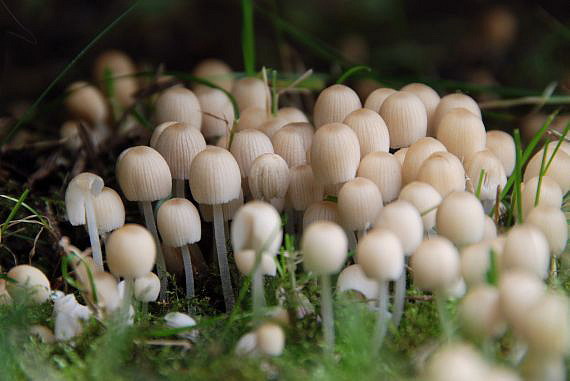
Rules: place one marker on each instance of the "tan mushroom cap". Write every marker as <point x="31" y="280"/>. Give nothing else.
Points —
<point x="462" y="133"/>
<point x="179" y="104"/>
<point x="289" y="144"/>
<point x="416" y="155"/>
<point x="502" y="145"/>
<point x="86" y="102"/>
<point x="518" y="292"/>
<point x="218" y="113"/>
<point x="131" y="251"/>
<point x="476" y="261"/>
<point x="552" y="223"/>
<point x="494" y="175"/>
<point x="272" y="125"/>
<point x="215" y="71"/>
<point x="247" y="146"/>
<point x="321" y="211"/>
<point x="158" y="130"/>
<point x="400" y="154"/>
<point x="376" y="98"/>
<point x="122" y="70"/>
<point x="334" y="104"/>
<point x="435" y="264"/>
<point x="526" y="249"/>
<point x="429" y="97"/>
<point x="292" y="115"/>
<point x="424" y="198"/>
<point x="444" y="172"/>
<point x="303" y="187"/>
<point x="109" y="210"/>
<point x="178" y="222"/>
<point x="450" y="102"/>
<point x="269" y="177"/>
<point x="257" y="226"/>
<point x="353" y="278"/>
<point x="251" y="92"/>
<point x="370" y="129"/>
<point x="245" y="262"/>
<point x="550" y="193"/>
<point x="215" y="177"/>
<point x="558" y="169"/>
<point x="79" y="187"/>
<point x="270" y="339"/>
<point x="359" y="202"/>
<point x="381" y="256"/>
<point x="460" y="218"/>
<point x="404" y="220"/>
<point x="480" y="312"/>
<point x="406" y="118"/>
<point x="107" y="291"/>
<point x="147" y="288"/>
<point x="251" y="118"/>
<point x="324" y="246"/>
<point x="456" y="361"/>
<point x="29" y="281"/>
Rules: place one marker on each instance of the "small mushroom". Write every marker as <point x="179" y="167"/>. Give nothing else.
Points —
<point x="425" y="199"/>
<point x="460" y="218"/>
<point x="406" y="118"/>
<point x="178" y="104"/>
<point x="462" y="133"/>
<point x="376" y="98"/>
<point x="370" y="129"/>
<point x="334" y="104"/>
<point x="385" y="170"/>
<point x="448" y="103"/>
<point x="29" y="282"/>
<point x="147" y="288"/>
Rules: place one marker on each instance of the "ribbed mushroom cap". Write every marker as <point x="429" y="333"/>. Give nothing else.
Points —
<point x="550" y="193"/>
<point x="518" y="291"/>
<point x="558" y="169"/>
<point x="178" y="222"/>
<point x="503" y="146"/>
<point x="179" y="144"/>
<point x="178" y="104"/>
<point x="402" y="219"/>
<point x="444" y="172"/>
<point x="406" y="118"/>
<point x="321" y="211"/>
<point x="257" y="226"/>
<point x="429" y="97"/>
<point x="270" y="339"/>
<point x="380" y="255"/>
<point x="70" y="132"/>
<point x="450" y="102"/>
<point x="86" y="102"/>
<point x="229" y="209"/>
<point x="131" y="251"/>
<point x="353" y="278"/>
<point x="215" y="71"/>
<point x="384" y="170"/>
<point x="158" y="130"/>
<point x="456" y="361"/>
<point x="292" y="115"/>
<point x="29" y="281"/>
<point x="147" y="288"/>
<point x="460" y="218"/>
<point x="250" y="92"/>
<point x="245" y="262"/>
<point x="121" y="68"/>
<point x="551" y="221"/>
<point x="435" y="264"/>
<point x="546" y="325"/>
<point x="288" y="143"/>
<point x="303" y="187"/>
<point x="80" y="186"/>
<point x="109" y="210"/>
<point x="376" y="98"/>
<point x="359" y="202"/>
<point x="218" y="113"/>
<point x="476" y="261"/>
<point x="480" y="313"/>
<point x="306" y="131"/>
<point x="247" y="146"/>
<point x="494" y="175"/>
<point x="400" y="154"/>
<point x="416" y="155"/>
<point x="526" y="249"/>
<point x="423" y="197"/>
<point x="335" y="153"/>
<point x="334" y="104"/>
<point x="143" y="174"/>
<point x="462" y="133"/>
<point x="370" y="130"/>
<point x="269" y="177"/>
<point x="272" y="125"/>
<point x="107" y="291"/>
<point x="324" y="246"/>
<point x="251" y="118"/>
<point x="214" y="177"/>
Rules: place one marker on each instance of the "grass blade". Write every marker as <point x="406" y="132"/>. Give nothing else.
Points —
<point x="518" y="175"/>
<point x="352" y="71"/>
<point x="248" y="37"/>
<point x="13" y="212"/>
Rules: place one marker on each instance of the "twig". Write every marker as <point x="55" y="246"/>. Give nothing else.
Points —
<point x="45" y="170"/>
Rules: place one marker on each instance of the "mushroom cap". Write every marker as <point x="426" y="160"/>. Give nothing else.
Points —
<point x="178" y="222"/>
<point x="502" y="145"/>
<point x="292" y="115"/>
<point x="335" y="153"/>
<point x="85" y="102"/>
<point x="273" y="125"/>
<point x="376" y="98"/>
<point x="550" y="193"/>
<point x="423" y="197"/>
<point x="381" y="256"/>
<point x="460" y="218"/>
<point x="552" y="223"/>
<point x="179" y="104"/>
<point x="131" y="251"/>
<point x="490" y="230"/>
<point x="247" y="146"/>
<point x="245" y="262"/>
<point x="476" y="259"/>
<point x="462" y="133"/>
<point x="324" y="246"/>
<point x="480" y="313"/>
<point x="257" y="226"/>
<point x="288" y="143"/>
<point x="416" y="155"/>
<point x="179" y="143"/>
<point x="218" y="112"/>
<point x="321" y="211"/>
<point x="404" y="220"/>
<point x="353" y="278"/>
<point x="121" y="68"/>
<point x="109" y="210"/>
<point x="518" y="292"/>
<point x="501" y="373"/>
<point x="158" y="130"/>
<point x="303" y="187"/>
<point x="385" y="170"/>
<point x="215" y="71"/>
<point x="456" y="361"/>
<point x="143" y="174"/>
<point x="214" y="177"/>
<point x="406" y="118"/>
<point x="359" y="202"/>
<point x="333" y="105"/>
<point x="400" y="154"/>
<point x="270" y="339"/>
<point x="107" y="290"/>
<point x="370" y="129"/>
<point x="251" y="118"/>
<point x="29" y="281"/>
<point x="450" y="102"/>
<point x="558" y="169"/>
<point x="85" y="184"/>
<point x="444" y="172"/>
<point x="147" y="288"/>
<point x="429" y="97"/>
<point x="269" y="177"/>
<point x="526" y="249"/>
<point x="494" y="174"/>
<point x="251" y="92"/>
<point x="435" y="264"/>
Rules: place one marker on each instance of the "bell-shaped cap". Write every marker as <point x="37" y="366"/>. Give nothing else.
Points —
<point x="79" y="187"/>
<point x="178" y="222"/>
<point x="109" y="210"/>
<point x="324" y="246"/>
<point x="131" y="251"/>
<point x="334" y="104"/>
<point x="178" y="104"/>
<point x="269" y="177"/>
<point x="257" y="226"/>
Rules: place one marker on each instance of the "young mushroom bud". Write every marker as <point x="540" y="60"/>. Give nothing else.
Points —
<point x="553" y="224"/>
<point x="462" y="133"/>
<point x="158" y="130"/>
<point x="406" y="118"/>
<point x="444" y="172"/>
<point x="493" y="173"/>
<point x="215" y="71"/>
<point x="218" y="113"/>
<point x="121" y="70"/>
<point x="251" y="118"/>
<point x="179" y="104"/>
<point x="480" y="313"/>
<point x="416" y="155"/>
<point x="503" y="146"/>
<point x="400" y="154"/>
<point x="257" y="226"/>
<point x="548" y="191"/>
<point x="448" y="103"/>
<point x="247" y="146"/>
<point x="85" y="102"/>
<point x="460" y="218"/>
<point x="269" y="177"/>
<point x="28" y="282"/>
<point x="272" y="125"/>
<point x="518" y="292"/>
<point x="321" y="211"/>
<point x="270" y="339"/>
<point x="292" y="115"/>
<point x="303" y="188"/>
<point x="456" y="361"/>
<point x="476" y="260"/>
<point x="557" y="170"/>
<point x="288" y="143"/>
<point x="385" y="170"/>
<point x="147" y="288"/>
<point x="105" y="291"/>
<point x="131" y="252"/>
<point x="370" y="129"/>
<point x="359" y="202"/>
<point x="526" y="249"/>
<point x="435" y="264"/>
<point x="245" y="263"/>
<point x="334" y="104"/>
<point x="376" y="98"/>
<point x="429" y="97"/>
<point x="353" y="278"/>
<point x="251" y="92"/>
<point x="109" y="210"/>
<point x="424" y="198"/>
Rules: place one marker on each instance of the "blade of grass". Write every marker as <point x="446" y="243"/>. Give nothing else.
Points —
<point x="541" y="173"/>
<point x="480" y="183"/>
<point x="29" y="114"/>
<point x="248" y="37"/>
<point x="518" y="176"/>
<point x="352" y="71"/>
<point x="560" y="140"/>
<point x="13" y="212"/>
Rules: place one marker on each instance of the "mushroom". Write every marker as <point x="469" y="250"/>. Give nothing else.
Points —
<point x="490" y="229"/>
<point x="353" y="278"/>
<point x="429" y="97"/>
<point x="251" y="92"/>
<point x="456" y="361"/>
<point x="494" y="177"/>
<point x="334" y="104"/>
<point x="526" y="249"/>
<point x="555" y="166"/>
<point x="247" y="146"/>
<point x="270" y="339"/>
<point x="503" y="146"/>
<point x="448" y="103"/>
<point x="29" y="283"/>
<point x="303" y="190"/>
<point x="537" y="191"/>
<point x="444" y="172"/>
<point x="462" y="133"/>
<point x="359" y="202"/>
<point x="424" y="198"/>
<point x="406" y="118"/>
<point x="109" y="210"/>
<point x="321" y="211"/>
<point x="179" y="320"/>
<point x="416" y="155"/>
<point x="460" y="218"/>
<point x="218" y="113"/>
<point x="552" y="223"/>
<point x="80" y="209"/>
<point x="103" y="292"/>
<point x="518" y="292"/>
<point x="69" y="317"/>
<point x="250" y="118"/>
<point x="121" y="69"/>
<point x="179" y="226"/>
<point x="269" y="177"/>
<point x="292" y="115"/>
<point x="214" y="180"/>
<point x="324" y="246"/>
<point x="376" y="98"/>
<point x="370" y="129"/>
<point x="85" y="102"/>
<point x="400" y="154"/>
<point x="215" y="71"/>
<point x="385" y="170"/>
<point x="289" y="143"/>
<point x="480" y="313"/>
<point x="178" y="104"/>
<point x="147" y="288"/>
<point x="476" y="260"/>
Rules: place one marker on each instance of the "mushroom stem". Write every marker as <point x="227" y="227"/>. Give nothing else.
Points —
<point x="381" y="322"/>
<point x="220" y="239"/>
<point x="399" y="297"/>
<point x="179" y="188"/>
<point x="327" y="312"/>
<point x="188" y="273"/>
<point x="93" y="233"/>
<point x="444" y="321"/>
<point x="258" y="292"/>
<point x="552" y="275"/>
<point x="160" y="263"/>
<point x="127" y="297"/>
<point x="351" y="239"/>
<point x="198" y="256"/>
